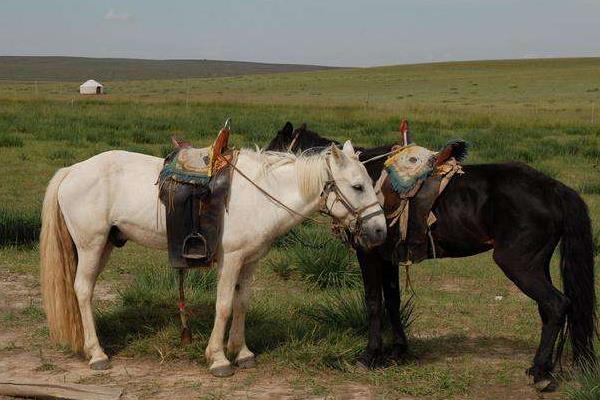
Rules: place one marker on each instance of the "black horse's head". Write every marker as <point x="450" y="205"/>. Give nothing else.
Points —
<point x="297" y="140"/>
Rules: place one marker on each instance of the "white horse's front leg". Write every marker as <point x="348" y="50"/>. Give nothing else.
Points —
<point x="228" y="276"/>
<point x="237" y="338"/>
<point x="89" y="265"/>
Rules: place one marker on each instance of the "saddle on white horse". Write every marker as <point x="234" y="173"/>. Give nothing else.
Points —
<point x="194" y="185"/>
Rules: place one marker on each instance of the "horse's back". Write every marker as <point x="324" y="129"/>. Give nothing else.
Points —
<point x="492" y="201"/>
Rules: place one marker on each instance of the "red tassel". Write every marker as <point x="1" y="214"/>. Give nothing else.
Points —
<point x="404" y="131"/>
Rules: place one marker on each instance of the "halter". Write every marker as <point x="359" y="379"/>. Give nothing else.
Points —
<point x="358" y="219"/>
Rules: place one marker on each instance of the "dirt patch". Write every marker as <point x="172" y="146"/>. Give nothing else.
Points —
<point x="147" y="378"/>
<point x="140" y="378"/>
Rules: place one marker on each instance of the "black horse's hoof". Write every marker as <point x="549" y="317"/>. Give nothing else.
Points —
<point x="542" y="381"/>
<point x="546" y="385"/>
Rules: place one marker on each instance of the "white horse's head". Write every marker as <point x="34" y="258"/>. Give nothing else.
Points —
<point x="349" y="197"/>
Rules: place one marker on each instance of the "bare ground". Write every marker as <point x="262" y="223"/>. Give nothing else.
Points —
<point x="148" y="378"/>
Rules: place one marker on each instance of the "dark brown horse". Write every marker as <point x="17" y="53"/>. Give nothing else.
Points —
<point x="512" y="209"/>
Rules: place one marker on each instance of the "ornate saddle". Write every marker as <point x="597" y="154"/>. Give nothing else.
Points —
<point x="194" y="187"/>
<point x="408" y="192"/>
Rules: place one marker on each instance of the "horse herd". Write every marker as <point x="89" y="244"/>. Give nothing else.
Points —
<point x="510" y="208"/>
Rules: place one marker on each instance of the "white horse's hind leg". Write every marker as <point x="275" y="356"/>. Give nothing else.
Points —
<point x="237" y="338"/>
<point x="90" y="262"/>
<point x="228" y="276"/>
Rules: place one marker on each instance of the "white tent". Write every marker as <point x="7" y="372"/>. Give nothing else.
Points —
<point x="91" y="87"/>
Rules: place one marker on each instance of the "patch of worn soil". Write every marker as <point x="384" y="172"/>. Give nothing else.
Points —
<point x="139" y="378"/>
<point x="150" y="379"/>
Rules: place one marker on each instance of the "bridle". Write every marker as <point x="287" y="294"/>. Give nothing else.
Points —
<point x="330" y="187"/>
<point x="356" y="224"/>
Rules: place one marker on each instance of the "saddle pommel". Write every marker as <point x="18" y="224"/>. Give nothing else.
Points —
<point x="219" y="147"/>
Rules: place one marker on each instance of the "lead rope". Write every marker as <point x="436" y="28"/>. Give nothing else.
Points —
<point x="186" y="333"/>
<point x="267" y="194"/>
<point x="434" y="253"/>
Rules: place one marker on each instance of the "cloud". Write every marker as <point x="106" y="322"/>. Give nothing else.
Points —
<point x="114" y="15"/>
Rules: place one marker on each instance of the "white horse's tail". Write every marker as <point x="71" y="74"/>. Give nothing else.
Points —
<point x="58" y="258"/>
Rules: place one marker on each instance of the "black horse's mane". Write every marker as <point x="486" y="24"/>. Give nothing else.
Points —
<point x="304" y="138"/>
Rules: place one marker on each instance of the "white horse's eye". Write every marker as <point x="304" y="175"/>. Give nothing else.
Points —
<point x="358" y="187"/>
<point x="413" y="159"/>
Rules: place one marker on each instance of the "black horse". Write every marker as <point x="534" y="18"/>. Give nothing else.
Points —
<point x="520" y="214"/>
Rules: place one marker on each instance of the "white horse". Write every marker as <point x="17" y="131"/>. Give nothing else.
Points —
<point x="115" y="192"/>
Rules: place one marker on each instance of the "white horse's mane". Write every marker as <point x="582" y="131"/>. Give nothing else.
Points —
<point x="311" y="169"/>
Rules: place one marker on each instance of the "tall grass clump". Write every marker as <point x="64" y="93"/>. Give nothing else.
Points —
<point x="10" y="141"/>
<point x="587" y="385"/>
<point x="320" y="259"/>
<point x="339" y="310"/>
<point x="346" y="310"/>
<point x="588" y="187"/>
<point x="19" y="227"/>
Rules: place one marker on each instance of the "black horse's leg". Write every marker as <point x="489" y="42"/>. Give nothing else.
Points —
<point x="391" y="295"/>
<point x="531" y="275"/>
<point x="371" y="268"/>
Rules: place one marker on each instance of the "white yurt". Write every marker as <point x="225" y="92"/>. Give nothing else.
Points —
<point x="91" y="87"/>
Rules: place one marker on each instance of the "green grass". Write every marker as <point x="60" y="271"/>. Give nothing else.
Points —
<point x="586" y="385"/>
<point x="346" y="309"/>
<point x="318" y="258"/>
<point x="10" y="141"/>
<point x="19" y="227"/>
<point x="306" y="318"/>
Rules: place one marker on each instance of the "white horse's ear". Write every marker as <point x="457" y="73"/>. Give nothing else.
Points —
<point x="338" y="155"/>
<point x="348" y="149"/>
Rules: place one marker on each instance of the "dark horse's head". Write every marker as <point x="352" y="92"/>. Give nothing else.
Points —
<point x="297" y="140"/>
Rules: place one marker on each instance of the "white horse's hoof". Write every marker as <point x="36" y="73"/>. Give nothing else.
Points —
<point x="246" y="362"/>
<point x="222" y="371"/>
<point x="100" y="365"/>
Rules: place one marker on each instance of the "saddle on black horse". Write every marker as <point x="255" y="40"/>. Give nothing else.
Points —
<point x="194" y="187"/>
<point x="408" y="201"/>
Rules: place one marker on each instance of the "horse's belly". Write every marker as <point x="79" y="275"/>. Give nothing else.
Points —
<point x="141" y="235"/>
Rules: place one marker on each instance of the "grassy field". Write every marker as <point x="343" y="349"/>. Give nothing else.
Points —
<point x="308" y="328"/>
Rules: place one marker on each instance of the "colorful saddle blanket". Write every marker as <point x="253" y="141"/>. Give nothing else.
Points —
<point x="189" y="165"/>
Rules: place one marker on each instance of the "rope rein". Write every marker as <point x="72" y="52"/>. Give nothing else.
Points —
<point x="268" y="195"/>
<point x="330" y="186"/>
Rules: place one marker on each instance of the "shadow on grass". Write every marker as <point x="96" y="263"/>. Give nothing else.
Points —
<point x="441" y="347"/>
<point x="158" y="323"/>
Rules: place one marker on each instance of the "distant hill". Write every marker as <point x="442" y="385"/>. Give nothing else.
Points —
<point x="111" y="69"/>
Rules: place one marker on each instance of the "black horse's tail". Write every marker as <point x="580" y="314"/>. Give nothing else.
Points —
<point x="577" y="270"/>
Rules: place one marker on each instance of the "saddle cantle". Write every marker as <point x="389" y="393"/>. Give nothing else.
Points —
<point x="194" y="187"/>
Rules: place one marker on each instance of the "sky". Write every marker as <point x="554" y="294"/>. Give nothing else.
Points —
<point x="324" y="32"/>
